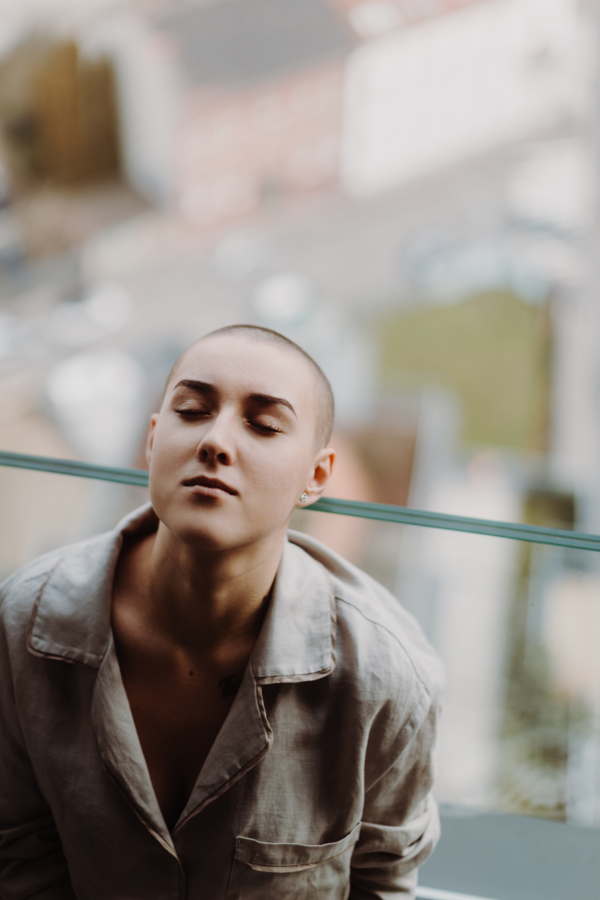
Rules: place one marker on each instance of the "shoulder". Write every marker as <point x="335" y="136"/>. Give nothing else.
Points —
<point x="20" y="589"/>
<point x="387" y="642"/>
<point x="71" y="578"/>
<point x="19" y="592"/>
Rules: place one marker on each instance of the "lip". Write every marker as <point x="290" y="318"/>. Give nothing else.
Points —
<point x="208" y="485"/>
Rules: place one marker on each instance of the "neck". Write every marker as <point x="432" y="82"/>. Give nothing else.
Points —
<point x="205" y="599"/>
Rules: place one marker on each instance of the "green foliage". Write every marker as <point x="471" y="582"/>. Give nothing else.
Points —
<point x="492" y="350"/>
<point x="540" y="724"/>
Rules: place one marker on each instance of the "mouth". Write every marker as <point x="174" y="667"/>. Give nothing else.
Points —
<point x="213" y="484"/>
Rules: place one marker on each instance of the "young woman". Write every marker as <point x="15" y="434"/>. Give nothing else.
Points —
<point x="200" y="704"/>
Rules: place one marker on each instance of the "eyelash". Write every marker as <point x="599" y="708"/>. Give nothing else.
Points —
<point x="269" y="428"/>
<point x="190" y="413"/>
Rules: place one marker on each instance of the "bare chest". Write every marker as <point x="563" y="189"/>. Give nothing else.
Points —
<point x="177" y="717"/>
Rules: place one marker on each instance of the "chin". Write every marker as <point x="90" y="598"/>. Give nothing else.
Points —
<point x="214" y="528"/>
<point x="208" y="532"/>
<point x="199" y="532"/>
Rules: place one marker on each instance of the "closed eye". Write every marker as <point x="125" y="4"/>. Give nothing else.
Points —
<point x="267" y="429"/>
<point x="187" y="412"/>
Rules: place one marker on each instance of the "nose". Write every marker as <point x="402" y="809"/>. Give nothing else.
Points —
<point x="217" y="442"/>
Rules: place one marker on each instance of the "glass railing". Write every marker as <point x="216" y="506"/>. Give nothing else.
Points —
<point x="381" y="512"/>
<point x="517" y="624"/>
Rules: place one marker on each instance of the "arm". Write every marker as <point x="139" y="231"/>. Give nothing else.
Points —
<point x="32" y="864"/>
<point x="400" y="823"/>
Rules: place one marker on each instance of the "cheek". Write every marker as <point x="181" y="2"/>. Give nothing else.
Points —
<point x="278" y="476"/>
<point x="172" y="444"/>
<point x="168" y="454"/>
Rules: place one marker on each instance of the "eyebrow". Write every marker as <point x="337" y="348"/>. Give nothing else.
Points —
<point x="203" y="387"/>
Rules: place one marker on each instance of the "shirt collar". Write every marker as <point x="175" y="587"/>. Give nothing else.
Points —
<point x="71" y="616"/>
<point x="297" y="640"/>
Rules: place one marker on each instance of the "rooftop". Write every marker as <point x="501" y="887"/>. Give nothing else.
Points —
<point x="225" y="42"/>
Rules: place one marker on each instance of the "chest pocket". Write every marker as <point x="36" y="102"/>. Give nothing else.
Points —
<point x="291" y="871"/>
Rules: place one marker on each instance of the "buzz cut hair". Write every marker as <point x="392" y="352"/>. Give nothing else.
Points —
<point x="326" y="404"/>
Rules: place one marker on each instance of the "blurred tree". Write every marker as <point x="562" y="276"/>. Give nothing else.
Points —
<point x="59" y="114"/>
<point x="493" y="351"/>
<point x="538" y="721"/>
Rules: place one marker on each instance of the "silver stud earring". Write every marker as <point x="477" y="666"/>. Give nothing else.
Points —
<point x="303" y="497"/>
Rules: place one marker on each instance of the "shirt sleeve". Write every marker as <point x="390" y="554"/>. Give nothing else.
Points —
<point x="400" y="822"/>
<point x="32" y="863"/>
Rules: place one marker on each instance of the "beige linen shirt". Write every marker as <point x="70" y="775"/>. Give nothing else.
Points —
<point x="317" y="786"/>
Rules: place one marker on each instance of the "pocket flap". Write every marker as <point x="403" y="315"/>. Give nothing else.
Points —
<point x="265" y="857"/>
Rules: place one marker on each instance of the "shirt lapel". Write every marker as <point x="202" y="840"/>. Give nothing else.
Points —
<point x="296" y="643"/>
<point x="241" y="743"/>
<point x="71" y="621"/>
<point x="120" y="747"/>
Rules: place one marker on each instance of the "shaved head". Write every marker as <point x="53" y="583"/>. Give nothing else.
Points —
<point x="323" y="393"/>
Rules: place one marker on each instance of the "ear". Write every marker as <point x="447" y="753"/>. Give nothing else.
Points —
<point x="322" y="468"/>
<point x="150" y="441"/>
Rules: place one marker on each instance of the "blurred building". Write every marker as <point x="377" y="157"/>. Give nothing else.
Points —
<point x="373" y="18"/>
<point x="228" y="105"/>
<point x="421" y="99"/>
<point x="231" y="105"/>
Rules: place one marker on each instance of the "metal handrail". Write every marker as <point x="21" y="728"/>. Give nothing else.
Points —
<point x="382" y="512"/>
